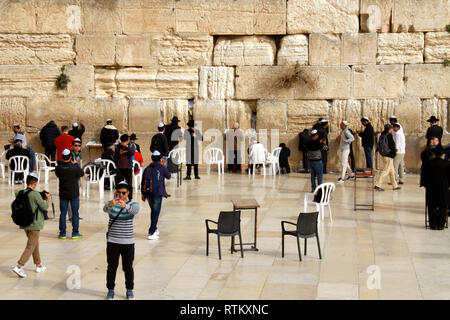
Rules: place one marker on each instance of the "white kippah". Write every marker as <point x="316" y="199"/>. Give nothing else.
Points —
<point x="365" y="118"/>
<point x="123" y="183"/>
<point x="323" y="120"/>
<point x="66" y="152"/>
<point x="156" y="153"/>
<point x="160" y="125"/>
<point x="75" y="124"/>
<point x="345" y="122"/>
<point x="16" y="125"/>
<point x="393" y="117"/>
<point x="314" y="132"/>
<point x="108" y="120"/>
<point x="77" y="140"/>
<point x="34" y="175"/>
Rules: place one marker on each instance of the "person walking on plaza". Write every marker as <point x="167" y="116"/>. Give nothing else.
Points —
<point x="436" y="174"/>
<point x="315" y="147"/>
<point x="62" y="142"/>
<point x="303" y="140"/>
<point x="434" y="130"/>
<point x="123" y="158"/>
<point x="193" y="138"/>
<point x="77" y="130"/>
<point x="32" y="231"/>
<point x="345" y="138"/>
<point x="159" y="142"/>
<point x="17" y="151"/>
<point x="387" y="149"/>
<point x="400" y="144"/>
<point x="109" y="134"/>
<point x="48" y="134"/>
<point x="153" y="189"/>
<point x="367" y="137"/>
<point x="69" y="174"/>
<point x="120" y="238"/>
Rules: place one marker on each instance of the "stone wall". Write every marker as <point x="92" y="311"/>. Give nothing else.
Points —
<point x="268" y="64"/>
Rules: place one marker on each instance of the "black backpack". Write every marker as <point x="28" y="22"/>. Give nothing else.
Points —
<point x="22" y="214"/>
<point x="383" y="146"/>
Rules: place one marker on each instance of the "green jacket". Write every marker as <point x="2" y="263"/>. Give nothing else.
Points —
<point x="36" y="202"/>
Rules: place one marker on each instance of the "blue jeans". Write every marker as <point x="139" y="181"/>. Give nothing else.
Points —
<point x="155" y="203"/>
<point x="74" y="205"/>
<point x="368" y="154"/>
<point x="316" y="171"/>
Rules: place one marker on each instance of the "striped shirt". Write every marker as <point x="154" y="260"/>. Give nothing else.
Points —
<point x="122" y="231"/>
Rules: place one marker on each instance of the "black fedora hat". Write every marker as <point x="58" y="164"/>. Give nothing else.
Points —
<point x="191" y="123"/>
<point x="133" y="136"/>
<point x="433" y="119"/>
<point x="175" y="119"/>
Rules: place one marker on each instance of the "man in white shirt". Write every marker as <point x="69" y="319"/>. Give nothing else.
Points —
<point x="345" y="139"/>
<point x="400" y="143"/>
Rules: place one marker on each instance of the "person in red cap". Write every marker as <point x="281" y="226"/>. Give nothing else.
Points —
<point x="64" y="141"/>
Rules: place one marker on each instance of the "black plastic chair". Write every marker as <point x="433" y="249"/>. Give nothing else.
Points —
<point x="306" y="228"/>
<point x="229" y="225"/>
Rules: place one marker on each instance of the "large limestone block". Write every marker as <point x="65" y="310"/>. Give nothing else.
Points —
<point x="98" y="50"/>
<point x="145" y="114"/>
<point x="420" y="15"/>
<point x="148" y="20"/>
<point x="349" y="110"/>
<point x="376" y="15"/>
<point x="81" y="81"/>
<point x="102" y="17"/>
<point x="322" y="16"/>
<point x="378" y="81"/>
<point x="64" y="111"/>
<point x="17" y="16"/>
<point x="408" y="113"/>
<point x="270" y="17"/>
<point x="36" y="49"/>
<point x="137" y="82"/>
<point x="12" y="110"/>
<point x="133" y="50"/>
<point x="359" y="48"/>
<point x="211" y="113"/>
<point x="324" y="49"/>
<point x="241" y="112"/>
<point x="378" y="111"/>
<point x="303" y="114"/>
<point x="216" y="83"/>
<point x="184" y="51"/>
<point x="427" y="80"/>
<point x="62" y="16"/>
<point x="271" y="114"/>
<point x="400" y="48"/>
<point x="177" y="83"/>
<point x="437" y="46"/>
<point x="293" y="50"/>
<point x="105" y="82"/>
<point x="178" y="108"/>
<point x="95" y="111"/>
<point x="434" y="107"/>
<point x="245" y="51"/>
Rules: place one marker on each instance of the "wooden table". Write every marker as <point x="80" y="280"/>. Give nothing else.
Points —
<point x="362" y="173"/>
<point x="247" y="204"/>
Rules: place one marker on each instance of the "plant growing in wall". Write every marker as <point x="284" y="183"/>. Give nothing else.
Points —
<point x="447" y="27"/>
<point x="446" y="63"/>
<point x="296" y="75"/>
<point x="62" y="80"/>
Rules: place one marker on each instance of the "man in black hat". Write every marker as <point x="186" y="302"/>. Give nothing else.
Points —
<point x="173" y="132"/>
<point x="123" y="158"/>
<point x="192" y="137"/>
<point x="160" y="143"/>
<point x="133" y="139"/>
<point x="109" y="134"/>
<point x="434" y="130"/>
<point x="367" y="137"/>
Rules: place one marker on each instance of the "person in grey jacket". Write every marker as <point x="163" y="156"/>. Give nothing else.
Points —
<point x="345" y="138"/>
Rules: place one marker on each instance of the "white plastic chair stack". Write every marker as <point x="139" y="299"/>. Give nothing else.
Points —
<point x="109" y="165"/>
<point x="2" y="164"/>
<point x="95" y="177"/>
<point x="274" y="160"/>
<point x="215" y="156"/>
<point x="41" y="164"/>
<point x="327" y="190"/>
<point x="137" y="177"/>
<point x="257" y="156"/>
<point x="21" y="165"/>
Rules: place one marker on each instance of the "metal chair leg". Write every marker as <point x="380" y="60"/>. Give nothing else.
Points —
<point x="232" y="244"/>
<point x="299" y="251"/>
<point x="240" y="243"/>
<point x="306" y="241"/>
<point x="282" y="244"/>
<point x="218" y="244"/>
<point x="207" y="243"/>
<point x="318" y="246"/>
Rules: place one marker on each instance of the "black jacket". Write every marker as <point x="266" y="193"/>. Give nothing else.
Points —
<point x="69" y="175"/>
<point x="434" y="131"/>
<point x="303" y="139"/>
<point x="170" y="129"/>
<point x="77" y="132"/>
<point x="436" y="173"/>
<point x="17" y="151"/>
<point x="425" y="156"/>
<point x="367" y="136"/>
<point x="192" y="145"/>
<point x="391" y="144"/>
<point x="130" y="153"/>
<point x="315" y="148"/>
<point x="109" y="134"/>
<point x="48" y="134"/>
<point x="159" y="142"/>
<point x="284" y="157"/>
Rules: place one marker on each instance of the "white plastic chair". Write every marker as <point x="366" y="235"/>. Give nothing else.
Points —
<point x="108" y="164"/>
<point x="21" y="165"/>
<point x="256" y="157"/>
<point x="95" y="177"/>
<point x="178" y="157"/>
<point x="137" y="177"/>
<point x="2" y="164"/>
<point x="41" y="164"/>
<point x="274" y="160"/>
<point x="215" y="156"/>
<point x="327" y="190"/>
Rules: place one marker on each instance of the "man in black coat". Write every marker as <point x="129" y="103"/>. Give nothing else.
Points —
<point x="367" y="137"/>
<point x="109" y="134"/>
<point x="48" y="134"/>
<point x="77" y="130"/>
<point x="434" y="130"/>
<point x="123" y="158"/>
<point x="323" y="131"/>
<point x="303" y="140"/>
<point x="159" y="143"/>
<point x="436" y="181"/>
<point x="426" y="155"/>
<point x="173" y="127"/>
<point x="17" y="151"/>
<point x="192" y="137"/>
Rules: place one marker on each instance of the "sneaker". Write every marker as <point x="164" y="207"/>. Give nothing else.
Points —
<point x="130" y="295"/>
<point x="40" y="269"/>
<point x="19" y="272"/>
<point x="62" y="236"/>
<point x="76" y="236"/>
<point x="398" y="188"/>
<point x="187" y="178"/>
<point x="153" y="236"/>
<point x="110" y="295"/>
<point x="378" y="188"/>
<point x="197" y="177"/>
<point x="340" y="180"/>
<point x="157" y="232"/>
<point x="350" y="178"/>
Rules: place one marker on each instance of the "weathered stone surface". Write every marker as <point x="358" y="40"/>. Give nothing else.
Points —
<point x="148" y="20"/>
<point x="186" y="50"/>
<point x="245" y="51"/>
<point x="427" y="80"/>
<point x="211" y="113"/>
<point x="62" y="16"/>
<point x="419" y="15"/>
<point x="40" y="110"/>
<point x="349" y="110"/>
<point x="435" y="107"/>
<point x="145" y="114"/>
<point x="376" y="15"/>
<point x="408" y="113"/>
<point x="19" y="22"/>
<point x="105" y="82"/>
<point x="378" y="111"/>
<point x="216" y="83"/>
<point x="324" y="49"/>
<point x="437" y="46"/>
<point x="101" y="16"/>
<point x="269" y="17"/>
<point x="98" y="50"/>
<point x="133" y="50"/>
<point x="383" y="81"/>
<point x="178" y="108"/>
<point x="359" y="48"/>
<point x="303" y="114"/>
<point x="400" y="48"/>
<point x="81" y="81"/>
<point x="137" y="82"/>
<point x="313" y="83"/>
<point x="95" y="111"/>
<point x="271" y="114"/>
<point x="322" y="16"/>
<point x="293" y="50"/>
<point x="241" y="112"/>
<point x="36" y="49"/>
<point x="12" y="110"/>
